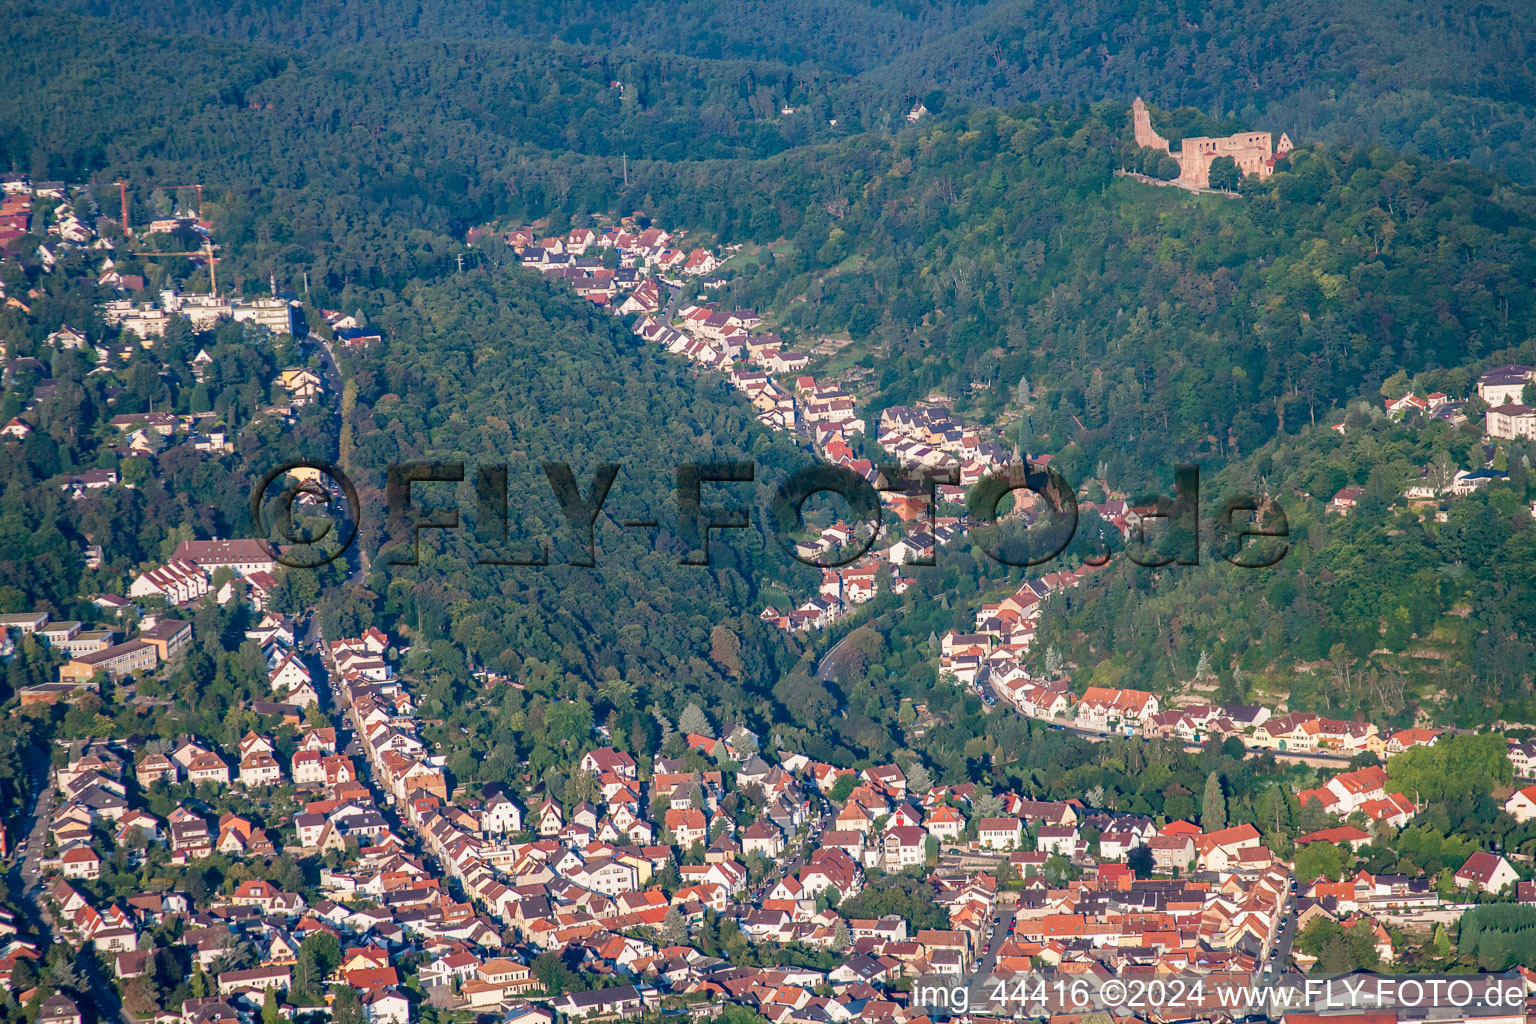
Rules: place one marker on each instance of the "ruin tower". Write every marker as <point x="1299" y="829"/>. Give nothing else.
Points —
<point x="1141" y="119"/>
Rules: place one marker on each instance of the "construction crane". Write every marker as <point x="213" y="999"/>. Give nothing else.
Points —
<point x="122" y="195"/>
<point x="205" y="253"/>
<point x="199" y="189"/>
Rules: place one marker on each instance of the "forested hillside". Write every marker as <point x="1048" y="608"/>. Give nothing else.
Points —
<point x="492" y="369"/>
<point x="1378" y="614"/>
<point x="365" y="168"/>
<point x="993" y="246"/>
<point x="1153" y="326"/>
<point x="959" y="255"/>
<point x="368" y="190"/>
<point x="1440" y="79"/>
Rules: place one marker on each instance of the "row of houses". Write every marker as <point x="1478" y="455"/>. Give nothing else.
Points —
<point x="188" y="577"/>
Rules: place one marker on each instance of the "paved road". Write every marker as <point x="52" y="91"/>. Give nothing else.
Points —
<point x="34" y="823"/>
<point x="782" y="868"/>
<point x="672" y="303"/>
<point x="27" y="887"/>
<point x="1283" y="941"/>
<point x="1002" y="920"/>
<point x="828" y="664"/>
<point x="357" y="558"/>
<point x="328" y="369"/>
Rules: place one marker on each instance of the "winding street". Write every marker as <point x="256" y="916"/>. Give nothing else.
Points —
<point x="27" y="889"/>
<point x="358" y="558"/>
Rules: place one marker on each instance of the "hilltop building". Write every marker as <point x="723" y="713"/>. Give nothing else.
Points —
<point x="1251" y="151"/>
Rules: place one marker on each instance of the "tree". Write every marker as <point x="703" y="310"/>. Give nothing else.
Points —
<point x="580" y="787"/>
<point x="910" y="899"/>
<point x="1440" y="944"/>
<point x="841" y="937"/>
<point x="1058" y="869"/>
<point x="674" y="927"/>
<point x="1203" y="666"/>
<point x="271" y="1013"/>
<point x="1021" y="397"/>
<point x="744" y="740"/>
<point x="1497" y="936"/>
<point x="63" y="967"/>
<point x="987" y="805"/>
<point x="139" y="998"/>
<point x="1055" y="664"/>
<point x="23" y="975"/>
<point x="319" y="955"/>
<point x="1453" y="769"/>
<point x="1225" y="174"/>
<point x="1213" y="805"/>
<point x="1323" y="860"/>
<point x="554" y="975"/>
<point x="918" y="779"/>
<point x="1339" y="950"/>
<point x="725" y="649"/>
<point x="1167" y="168"/>
<point x="843" y="787"/>
<point x="693" y="722"/>
<point x="666" y="726"/>
<point x="347" y="1008"/>
<point x="1140" y="861"/>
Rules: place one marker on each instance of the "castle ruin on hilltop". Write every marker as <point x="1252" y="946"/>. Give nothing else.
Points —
<point x="1249" y="150"/>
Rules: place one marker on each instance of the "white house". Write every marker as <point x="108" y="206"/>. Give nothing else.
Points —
<point x="177" y="582"/>
<point x="1511" y="421"/>
<point x="287" y="672"/>
<point x="500" y="815"/>
<point x="385" y="1006"/>
<point x="905" y="846"/>
<point x="763" y="838"/>
<point x="1486" y="872"/>
<point x="259" y="768"/>
<point x="944" y="822"/>
<point x="1000" y="833"/>
<point x="1522" y="804"/>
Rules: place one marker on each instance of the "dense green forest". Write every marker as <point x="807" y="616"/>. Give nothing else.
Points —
<point x="966" y="252"/>
<point x="1152" y="326"/>
<point x="960" y="254"/>
<point x="1377" y="614"/>
<point x="495" y="369"/>
<point x="1498" y="937"/>
<point x="1440" y="79"/>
